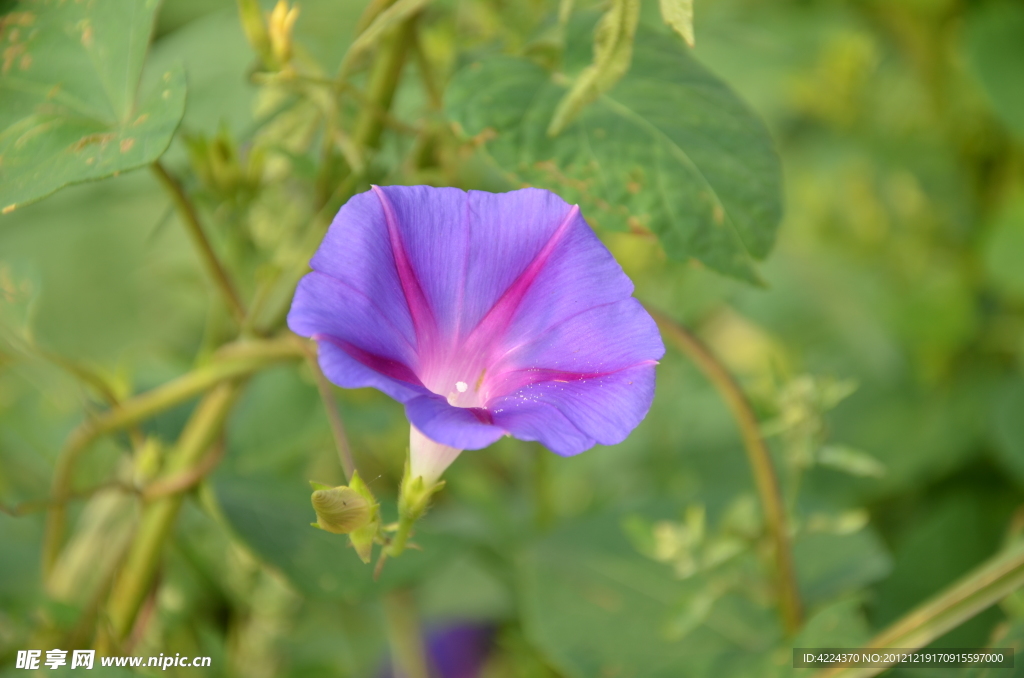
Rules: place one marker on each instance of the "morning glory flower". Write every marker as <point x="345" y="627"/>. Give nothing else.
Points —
<point x="454" y="650"/>
<point x="485" y="314"/>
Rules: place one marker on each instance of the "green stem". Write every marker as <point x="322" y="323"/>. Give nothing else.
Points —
<point x="978" y="590"/>
<point x="759" y="457"/>
<point x="190" y="217"/>
<point x="407" y="651"/>
<point x="136" y="576"/>
<point x="401" y="537"/>
<point x="384" y="77"/>
<point x="231" y="362"/>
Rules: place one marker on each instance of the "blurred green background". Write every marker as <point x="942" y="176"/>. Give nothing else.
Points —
<point x="882" y="355"/>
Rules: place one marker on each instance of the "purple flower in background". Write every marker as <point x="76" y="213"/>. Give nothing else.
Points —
<point x="486" y="314"/>
<point x="454" y="650"/>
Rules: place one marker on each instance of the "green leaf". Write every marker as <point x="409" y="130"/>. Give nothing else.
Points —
<point x="1008" y="635"/>
<point x="851" y="460"/>
<point x="613" y="50"/>
<point x="996" y="57"/>
<point x="670" y="149"/>
<point x="1008" y="428"/>
<point x="596" y="607"/>
<point x="71" y="112"/>
<point x="830" y="565"/>
<point x="836" y="624"/>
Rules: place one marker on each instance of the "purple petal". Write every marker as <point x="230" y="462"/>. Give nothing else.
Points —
<point x="529" y="418"/>
<point x="600" y="409"/>
<point x="357" y="252"/>
<point x="459" y="650"/>
<point x="358" y="345"/>
<point x="468" y="248"/>
<point x="602" y="339"/>
<point x="454" y="650"/>
<point x="572" y="273"/>
<point x="463" y="428"/>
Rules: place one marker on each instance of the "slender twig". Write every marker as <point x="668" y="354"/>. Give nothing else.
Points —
<point x="159" y="488"/>
<point x="187" y="479"/>
<point x="190" y="217"/>
<point x="759" y="457"/>
<point x="976" y="591"/>
<point x="348" y="464"/>
<point x="407" y="652"/>
<point x="136" y="576"/>
<point x="233" y="361"/>
<point x="35" y="505"/>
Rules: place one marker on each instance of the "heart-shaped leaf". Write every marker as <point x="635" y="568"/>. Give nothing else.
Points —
<point x="670" y="149"/>
<point x="69" y="80"/>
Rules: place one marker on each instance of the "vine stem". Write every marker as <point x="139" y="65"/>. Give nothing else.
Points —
<point x="765" y="477"/>
<point x="232" y="361"/>
<point x="158" y="516"/>
<point x="195" y="230"/>
<point x="384" y="77"/>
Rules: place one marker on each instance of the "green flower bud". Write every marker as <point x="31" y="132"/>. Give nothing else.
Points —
<point x="255" y="30"/>
<point x="340" y="509"/>
<point x="351" y="510"/>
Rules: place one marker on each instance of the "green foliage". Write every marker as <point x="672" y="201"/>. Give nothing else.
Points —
<point x="881" y="348"/>
<point x="669" y="149"/>
<point x="73" y="110"/>
<point x="613" y="50"/>
<point x="997" y="56"/>
<point x="581" y="582"/>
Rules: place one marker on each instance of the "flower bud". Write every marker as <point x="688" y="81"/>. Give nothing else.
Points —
<point x="252" y="23"/>
<point x="340" y="509"/>
<point x="279" y="27"/>
<point x="351" y="510"/>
